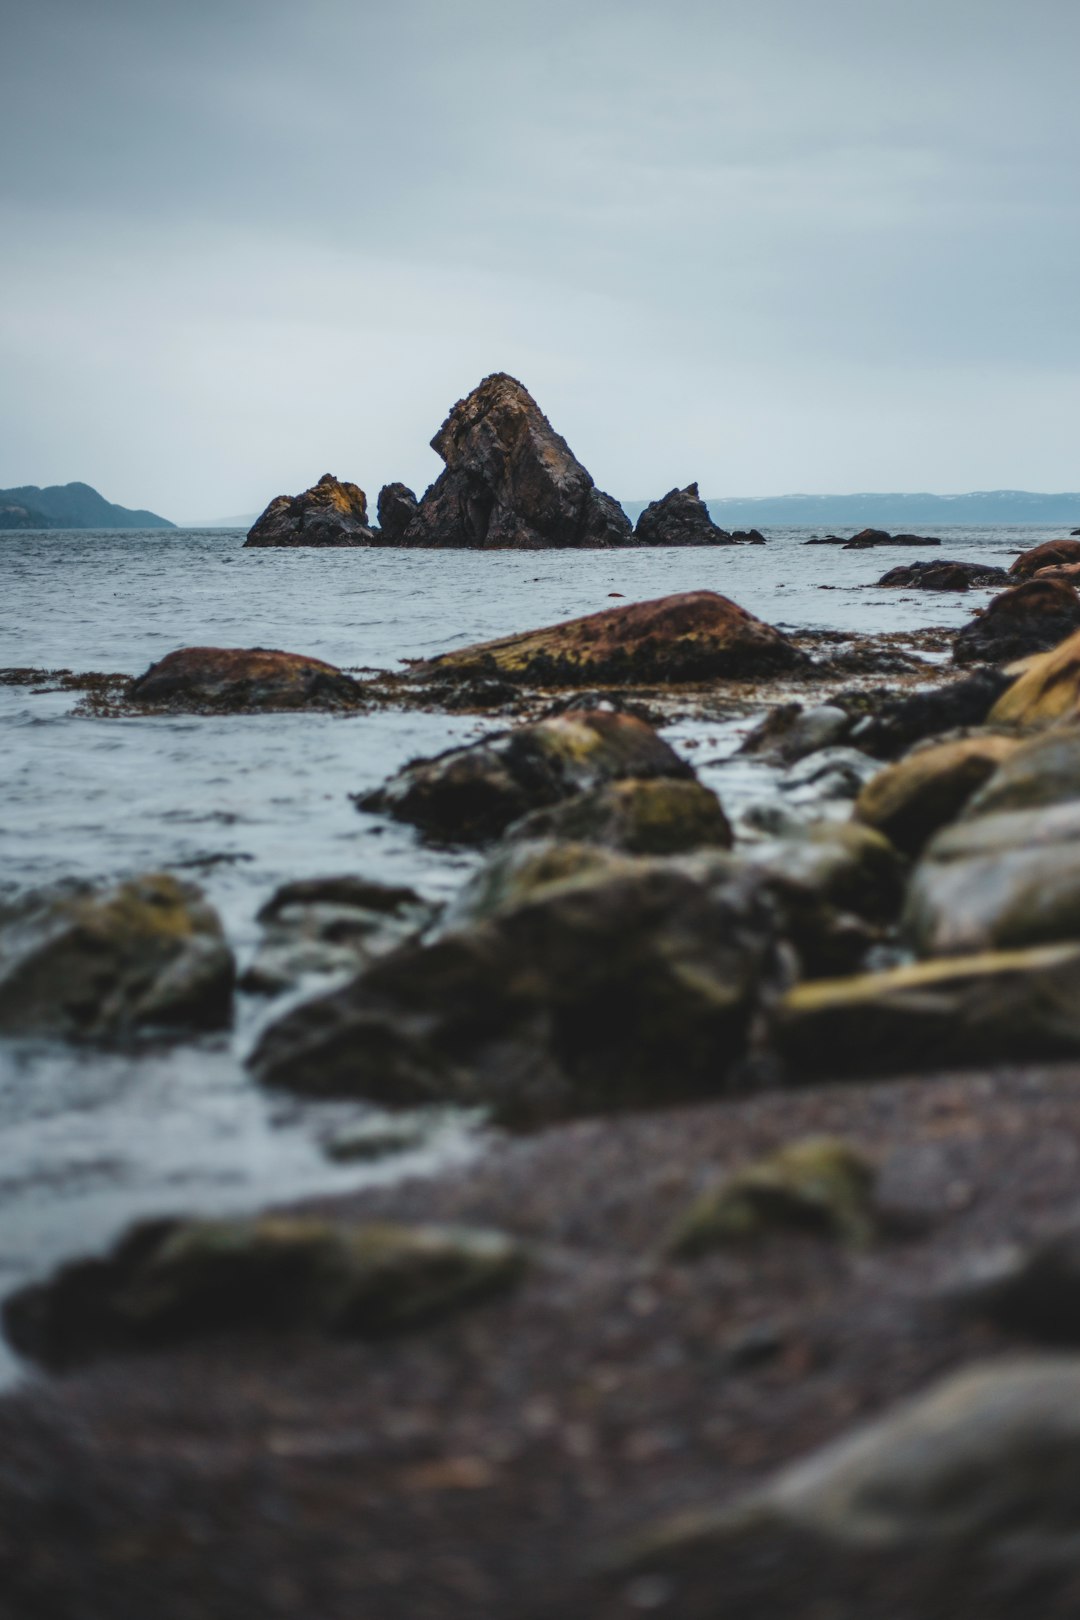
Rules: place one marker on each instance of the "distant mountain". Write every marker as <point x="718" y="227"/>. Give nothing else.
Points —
<point x="70" y="506"/>
<point x="902" y="513"/>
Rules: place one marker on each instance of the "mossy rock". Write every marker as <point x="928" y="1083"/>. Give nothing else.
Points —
<point x="821" y="1185"/>
<point x="1046" y="690"/>
<point x="662" y="816"/>
<point x="909" y="801"/>
<point x="168" y="1281"/>
<point x="80" y="961"/>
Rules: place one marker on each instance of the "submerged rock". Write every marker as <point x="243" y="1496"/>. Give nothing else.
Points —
<point x="626" y="983"/>
<point x="1026" y="619"/>
<point x="1052" y="553"/>
<point x="820" y="1185"/>
<point x="1001" y="881"/>
<point x="511" y="481"/>
<point x="239" y="678"/>
<point x="693" y="636"/>
<point x="80" y="961"/>
<point x="171" y="1280"/>
<point x="964" y="1010"/>
<point x="680" y="518"/>
<point x="941" y="575"/>
<point x="664" y="816"/>
<point x="472" y="794"/>
<point x="330" y="513"/>
<point x="987" y="1461"/>
<point x="330" y="926"/>
<point x="397" y="507"/>
<point x="909" y="801"/>
<point x="1046" y="692"/>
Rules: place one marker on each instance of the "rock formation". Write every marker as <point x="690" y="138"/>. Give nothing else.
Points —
<point x="397" y="508"/>
<point x="329" y="514"/>
<point x="679" y="518"/>
<point x="511" y="481"/>
<point x="691" y="636"/>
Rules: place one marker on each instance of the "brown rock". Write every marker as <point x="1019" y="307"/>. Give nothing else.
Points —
<point x="1068" y="573"/>
<point x="1046" y="692"/>
<point x="1050" y="554"/>
<point x="680" y="518"/>
<point x="695" y="635"/>
<point x="1027" y="619"/>
<point x="329" y="514"/>
<point x="511" y="481"/>
<point x="236" y="678"/>
<point x="910" y="800"/>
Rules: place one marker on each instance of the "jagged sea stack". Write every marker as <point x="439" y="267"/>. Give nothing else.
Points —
<point x="510" y="481"/>
<point x="679" y="518"/>
<point x="330" y="513"/>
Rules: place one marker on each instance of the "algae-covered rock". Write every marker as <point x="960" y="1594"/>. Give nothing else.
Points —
<point x="522" y="870"/>
<point x="1045" y="692"/>
<point x="241" y="678"/>
<point x="999" y="881"/>
<point x="330" y="926"/>
<point x="1029" y="618"/>
<point x="1046" y="555"/>
<point x="985" y="1461"/>
<point x="844" y="865"/>
<point x="511" y="481"/>
<point x="679" y="518"/>
<point x="661" y="816"/>
<point x="693" y="636"/>
<point x="820" y="1185"/>
<point x="171" y="1280"/>
<point x="955" y="1012"/>
<point x="83" y="961"/>
<point x="330" y="513"/>
<point x="472" y="794"/>
<point x="626" y="985"/>
<point x="909" y="801"/>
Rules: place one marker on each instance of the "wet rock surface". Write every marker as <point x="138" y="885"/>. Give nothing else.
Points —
<point x="941" y="575"/>
<point x="1030" y="618"/>
<point x="680" y="518"/>
<point x="908" y="802"/>
<point x="663" y="816"/>
<point x="1052" y="553"/>
<point x="1045" y="693"/>
<point x="242" y="678"/>
<point x="168" y="1281"/>
<point x="511" y="481"/>
<point x="89" y="962"/>
<point x="330" y="513"/>
<point x="696" y="635"/>
<point x="472" y="794"/>
<point x="330" y="926"/>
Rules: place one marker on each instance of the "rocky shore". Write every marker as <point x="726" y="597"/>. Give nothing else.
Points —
<point x="762" y="1294"/>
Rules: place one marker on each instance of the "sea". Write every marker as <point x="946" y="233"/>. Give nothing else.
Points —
<point x="92" y="1137"/>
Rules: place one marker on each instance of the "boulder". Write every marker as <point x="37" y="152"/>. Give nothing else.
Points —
<point x="1036" y="772"/>
<point x="847" y="868"/>
<point x="1045" y="692"/>
<point x="335" y="925"/>
<point x="909" y="801"/>
<point x="661" y="816"/>
<point x="330" y="513"/>
<point x="171" y="1280"/>
<point x="1051" y="554"/>
<point x="679" y="518"/>
<point x="692" y="636"/>
<point x="984" y="1463"/>
<point x="958" y="1012"/>
<point x="397" y="506"/>
<point x="941" y="575"/>
<point x="472" y="794"/>
<point x="819" y="1185"/>
<point x="789" y="732"/>
<point x="1068" y="573"/>
<point x="241" y="678"/>
<point x="998" y="882"/>
<point x="510" y="481"/>
<point x="1026" y="619"/>
<point x="628" y="983"/>
<point x="97" y="962"/>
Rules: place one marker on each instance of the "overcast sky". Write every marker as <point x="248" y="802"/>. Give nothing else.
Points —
<point x="773" y="245"/>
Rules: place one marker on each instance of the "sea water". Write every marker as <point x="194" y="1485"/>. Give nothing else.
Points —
<point x="91" y="1138"/>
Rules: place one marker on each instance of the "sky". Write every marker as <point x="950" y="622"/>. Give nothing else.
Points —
<point x="770" y="245"/>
